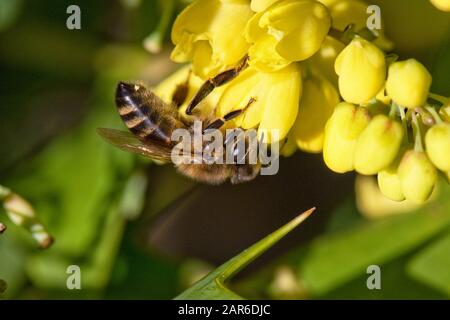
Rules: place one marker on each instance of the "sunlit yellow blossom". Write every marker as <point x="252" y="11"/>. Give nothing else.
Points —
<point x="378" y="145"/>
<point x="341" y="135"/>
<point x="418" y="176"/>
<point x="390" y="184"/>
<point x="361" y="67"/>
<point x="289" y="30"/>
<point x="437" y="142"/>
<point x="319" y="99"/>
<point x="408" y="83"/>
<point x="210" y="34"/>
<point x="443" y="5"/>
<point x="277" y="96"/>
<point x="261" y="5"/>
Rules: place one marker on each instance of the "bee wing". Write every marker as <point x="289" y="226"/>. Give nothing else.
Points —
<point x="128" y="142"/>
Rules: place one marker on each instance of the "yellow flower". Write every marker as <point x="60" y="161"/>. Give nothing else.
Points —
<point x="390" y="184"/>
<point x="277" y="96"/>
<point x="346" y="12"/>
<point x="443" y="5"/>
<point x="261" y="5"/>
<point x="210" y="34"/>
<point x="408" y="83"/>
<point x="341" y="135"/>
<point x="319" y="99"/>
<point x="378" y="145"/>
<point x="287" y="31"/>
<point x="324" y="60"/>
<point x="418" y="176"/>
<point x="437" y="141"/>
<point x="361" y="67"/>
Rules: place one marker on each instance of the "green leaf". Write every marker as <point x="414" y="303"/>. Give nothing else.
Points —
<point x="395" y="284"/>
<point x="432" y="265"/>
<point x="212" y="287"/>
<point x="337" y="258"/>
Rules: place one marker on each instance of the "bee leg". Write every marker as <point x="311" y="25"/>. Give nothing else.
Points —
<point x="217" y="81"/>
<point x="181" y="91"/>
<point x="218" y="123"/>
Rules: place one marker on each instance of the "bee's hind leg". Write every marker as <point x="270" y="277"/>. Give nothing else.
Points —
<point x="217" y="81"/>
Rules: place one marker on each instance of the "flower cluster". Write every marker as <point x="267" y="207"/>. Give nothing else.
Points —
<point x="303" y="58"/>
<point x="389" y="124"/>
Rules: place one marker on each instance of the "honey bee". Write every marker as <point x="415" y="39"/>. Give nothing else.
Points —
<point x="151" y="122"/>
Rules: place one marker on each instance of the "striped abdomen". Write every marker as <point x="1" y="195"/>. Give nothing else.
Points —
<point x="145" y="114"/>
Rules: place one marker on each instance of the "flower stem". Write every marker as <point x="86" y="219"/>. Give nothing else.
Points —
<point x="434" y="113"/>
<point x="441" y="99"/>
<point x="154" y="41"/>
<point x="418" y="145"/>
<point x="393" y="111"/>
<point x="402" y="113"/>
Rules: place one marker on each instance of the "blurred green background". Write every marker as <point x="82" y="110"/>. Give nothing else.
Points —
<point x="139" y="230"/>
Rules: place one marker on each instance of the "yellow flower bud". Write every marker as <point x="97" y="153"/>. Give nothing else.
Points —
<point x="408" y="83"/>
<point x="319" y="99"/>
<point x="418" y="176"/>
<point x="361" y="67"/>
<point x="443" y="5"/>
<point x="203" y="33"/>
<point x="390" y="184"/>
<point x="277" y="95"/>
<point x="378" y="145"/>
<point x="287" y="31"/>
<point x="437" y="141"/>
<point x="341" y="134"/>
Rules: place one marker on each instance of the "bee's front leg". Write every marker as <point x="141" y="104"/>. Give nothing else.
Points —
<point x="217" y="81"/>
